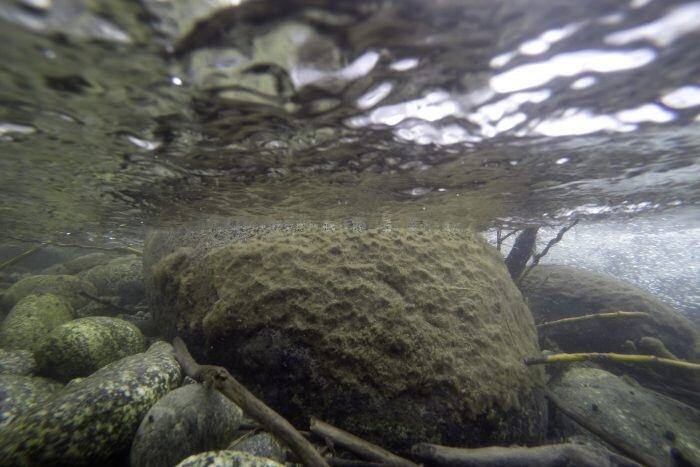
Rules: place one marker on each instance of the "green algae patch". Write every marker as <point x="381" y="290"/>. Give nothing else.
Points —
<point x="32" y="319"/>
<point x="399" y="336"/>
<point x="65" y="286"/>
<point x="82" y="346"/>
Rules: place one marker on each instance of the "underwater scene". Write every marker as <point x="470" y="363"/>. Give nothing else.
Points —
<point x="350" y="233"/>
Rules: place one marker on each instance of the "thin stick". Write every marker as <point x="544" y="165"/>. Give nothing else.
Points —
<point x="219" y="378"/>
<point x="612" y="439"/>
<point x="607" y="357"/>
<point x="24" y="254"/>
<point x="606" y="315"/>
<point x="357" y="445"/>
<point x="539" y="456"/>
<point x="107" y="303"/>
<point x="536" y="259"/>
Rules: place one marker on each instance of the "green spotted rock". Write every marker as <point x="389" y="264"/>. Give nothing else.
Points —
<point x="227" y="459"/>
<point x="32" y="319"/>
<point x="22" y="394"/>
<point x="82" y="346"/>
<point x="121" y="277"/>
<point x="94" y="420"/>
<point x="17" y="362"/>
<point x="65" y="286"/>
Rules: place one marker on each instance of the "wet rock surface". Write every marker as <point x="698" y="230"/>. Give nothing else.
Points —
<point x="31" y="320"/>
<point x="663" y="430"/>
<point x="17" y="362"/>
<point x="555" y="292"/>
<point x="65" y="286"/>
<point x="261" y="445"/>
<point x="80" y="264"/>
<point x="227" y="459"/>
<point x="94" y="420"/>
<point x="187" y="421"/>
<point x="22" y="394"/>
<point x="82" y="346"/>
<point x="398" y="336"/>
<point x="121" y="277"/>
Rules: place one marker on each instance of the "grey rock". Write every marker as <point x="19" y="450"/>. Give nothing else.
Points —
<point x="96" y="418"/>
<point x="122" y="277"/>
<point x="30" y="321"/>
<point x="17" y="362"/>
<point x="261" y="445"/>
<point x="22" y="394"/>
<point x="65" y="286"/>
<point x="651" y="423"/>
<point x="227" y="459"/>
<point x="188" y="420"/>
<point x="82" y="346"/>
<point x="79" y="264"/>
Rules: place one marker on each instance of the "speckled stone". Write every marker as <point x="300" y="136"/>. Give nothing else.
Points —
<point x="22" y="394"/>
<point x="31" y="320"/>
<point x="17" y="362"/>
<point x="96" y="419"/>
<point x="227" y="459"/>
<point x="82" y="346"/>
<point x="188" y="420"/>
<point x="122" y="277"/>
<point x="261" y="445"/>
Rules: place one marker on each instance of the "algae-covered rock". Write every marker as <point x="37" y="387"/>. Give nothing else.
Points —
<point x="188" y="420"/>
<point x="17" y="362"/>
<point x="660" y="429"/>
<point x="261" y="445"/>
<point x="82" y="346"/>
<point x="22" y="394"/>
<point x="32" y="319"/>
<point x="397" y="336"/>
<point x="64" y="286"/>
<point x="93" y="420"/>
<point x="79" y="264"/>
<point x="227" y="459"/>
<point x="555" y="292"/>
<point x="121" y="277"/>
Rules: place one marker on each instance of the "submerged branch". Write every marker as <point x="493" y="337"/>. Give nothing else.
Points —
<point x="219" y="378"/>
<point x="606" y="315"/>
<point x="539" y="456"/>
<point x="357" y="445"/>
<point x="536" y="259"/>
<point x="610" y="357"/>
<point x="24" y="254"/>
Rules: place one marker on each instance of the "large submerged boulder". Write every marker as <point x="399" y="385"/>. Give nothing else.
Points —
<point x="31" y="320"/>
<point x="398" y="336"/>
<point x="555" y="292"/>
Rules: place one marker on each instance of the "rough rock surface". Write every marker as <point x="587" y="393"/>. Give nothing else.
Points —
<point x="555" y="292"/>
<point x="65" y="286"/>
<point x="187" y="421"/>
<point x="398" y="336"/>
<point x="22" y="394"/>
<point x="32" y="319"/>
<point x="261" y="445"/>
<point x="95" y="419"/>
<point x="82" y="346"/>
<point x="17" y="362"/>
<point x="227" y="459"/>
<point x="660" y="428"/>
<point x="122" y="277"/>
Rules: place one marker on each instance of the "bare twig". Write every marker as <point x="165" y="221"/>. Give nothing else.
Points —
<point x="24" y="254"/>
<point x="536" y="259"/>
<point x="607" y="315"/>
<point x="540" y="456"/>
<point x="610" y="357"/>
<point x="219" y="378"/>
<point x="357" y="445"/>
<point x="500" y="237"/>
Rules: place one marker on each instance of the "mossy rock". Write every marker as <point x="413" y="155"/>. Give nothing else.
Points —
<point x="121" y="277"/>
<point x="65" y="286"/>
<point x="227" y="459"/>
<point x="92" y="422"/>
<point x="188" y="420"/>
<point x="79" y="264"/>
<point x="397" y="336"/>
<point x="82" y="346"/>
<point x="17" y="362"/>
<point x="32" y="319"/>
<point x="22" y="394"/>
